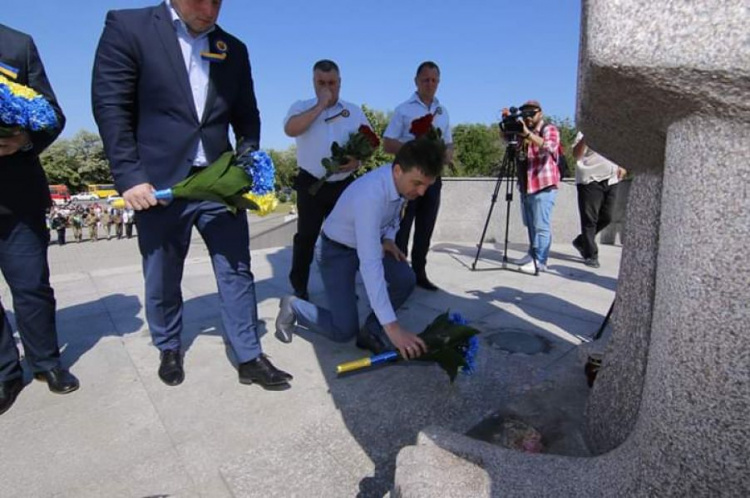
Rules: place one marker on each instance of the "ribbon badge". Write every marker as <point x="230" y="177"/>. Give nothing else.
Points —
<point x="438" y="111"/>
<point x="9" y="71"/>
<point x="219" y="55"/>
<point x="344" y="114"/>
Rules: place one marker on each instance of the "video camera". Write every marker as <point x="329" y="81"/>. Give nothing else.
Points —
<point x="511" y="120"/>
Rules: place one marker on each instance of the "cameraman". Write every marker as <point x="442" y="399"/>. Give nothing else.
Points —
<point x="538" y="180"/>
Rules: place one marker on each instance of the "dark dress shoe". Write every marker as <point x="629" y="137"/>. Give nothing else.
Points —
<point x="8" y="392"/>
<point x="425" y="283"/>
<point x="261" y="371"/>
<point x="170" y="369"/>
<point x="374" y="344"/>
<point x="59" y="380"/>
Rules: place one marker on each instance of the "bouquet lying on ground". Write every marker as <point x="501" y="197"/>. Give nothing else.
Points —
<point x="451" y="343"/>
<point x="360" y="146"/>
<point x="22" y="108"/>
<point x="245" y="181"/>
<point x="423" y="127"/>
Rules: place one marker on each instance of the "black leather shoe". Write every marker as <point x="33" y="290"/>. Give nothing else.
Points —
<point x="261" y="371"/>
<point x="8" y="392"/>
<point x="425" y="283"/>
<point x="59" y="380"/>
<point x="592" y="262"/>
<point x="170" y="369"/>
<point x="367" y="341"/>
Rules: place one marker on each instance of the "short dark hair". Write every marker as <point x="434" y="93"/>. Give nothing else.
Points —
<point x="428" y="65"/>
<point x="424" y="154"/>
<point x="325" y="65"/>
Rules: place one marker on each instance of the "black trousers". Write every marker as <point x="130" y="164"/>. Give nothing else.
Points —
<point x="23" y="261"/>
<point x="596" y="202"/>
<point x="423" y="213"/>
<point x="312" y="210"/>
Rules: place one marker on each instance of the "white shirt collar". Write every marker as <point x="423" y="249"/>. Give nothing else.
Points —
<point x="415" y="98"/>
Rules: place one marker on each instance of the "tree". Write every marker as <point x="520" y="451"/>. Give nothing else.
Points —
<point x="478" y="149"/>
<point x="567" y="135"/>
<point x="285" y="162"/>
<point x="77" y="162"/>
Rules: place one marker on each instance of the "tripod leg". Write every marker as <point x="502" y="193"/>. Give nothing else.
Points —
<point x="503" y="170"/>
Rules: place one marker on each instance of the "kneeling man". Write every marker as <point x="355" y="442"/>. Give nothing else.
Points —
<point x="359" y="235"/>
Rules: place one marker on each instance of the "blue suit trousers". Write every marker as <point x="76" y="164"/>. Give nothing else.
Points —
<point x="23" y="261"/>
<point x="164" y="238"/>
<point x="338" y="268"/>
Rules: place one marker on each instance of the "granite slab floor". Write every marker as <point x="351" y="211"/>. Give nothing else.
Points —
<point x="124" y="433"/>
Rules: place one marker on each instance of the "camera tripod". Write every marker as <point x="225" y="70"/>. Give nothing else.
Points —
<point x="507" y="174"/>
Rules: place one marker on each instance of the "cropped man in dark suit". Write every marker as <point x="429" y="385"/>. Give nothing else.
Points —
<point x="167" y="84"/>
<point x="24" y="198"/>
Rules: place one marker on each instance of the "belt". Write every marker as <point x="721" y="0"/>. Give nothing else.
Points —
<point x="334" y="243"/>
<point x="304" y="171"/>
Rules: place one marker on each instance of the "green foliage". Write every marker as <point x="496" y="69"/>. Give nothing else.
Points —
<point x="478" y="149"/>
<point x="379" y="121"/>
<point x="77" y="161"/>
<point x="285" y="162"/>
<point x="567" y="135"/>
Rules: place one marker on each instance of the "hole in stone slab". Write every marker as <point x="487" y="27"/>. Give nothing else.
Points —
<point x="518" y="341"/>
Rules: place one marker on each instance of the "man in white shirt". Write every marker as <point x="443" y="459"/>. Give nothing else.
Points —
<point x="359" y="235"/>
<point x="596" y="181"/>
<point x="423" y="211"/>
<point x="315" y="124"/>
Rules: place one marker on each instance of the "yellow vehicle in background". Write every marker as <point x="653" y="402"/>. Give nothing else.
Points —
<point x="103" y="191"/>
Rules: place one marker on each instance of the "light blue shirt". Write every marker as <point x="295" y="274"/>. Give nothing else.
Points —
<point x="368" y="212"/>
<point x="198" y="72"/>
<point x="334" y="124"/>
<point x="414" y="108"/>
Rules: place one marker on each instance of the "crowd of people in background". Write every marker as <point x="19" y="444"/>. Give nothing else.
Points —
<point x="93" y="221"/>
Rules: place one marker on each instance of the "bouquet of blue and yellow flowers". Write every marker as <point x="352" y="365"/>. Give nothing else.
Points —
<point x="451" y="343"/>
<point x="22" y="108"/>
<point x="242" y="181"/>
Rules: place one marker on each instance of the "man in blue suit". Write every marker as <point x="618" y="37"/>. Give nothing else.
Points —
<point x="24" y="197"/>
<point x="167" y="84"/>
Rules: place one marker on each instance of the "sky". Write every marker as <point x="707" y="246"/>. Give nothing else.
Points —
<point x="492" y="53"/>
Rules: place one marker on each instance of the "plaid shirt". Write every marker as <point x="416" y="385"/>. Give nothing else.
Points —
<point x="542" y="171"/>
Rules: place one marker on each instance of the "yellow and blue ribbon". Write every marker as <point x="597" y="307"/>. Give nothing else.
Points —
<point x="355" y="365"/>
<point x="9" y="71"/>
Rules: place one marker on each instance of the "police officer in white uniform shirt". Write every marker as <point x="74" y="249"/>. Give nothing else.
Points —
<point x="315" y="124"/>
<point x="422" y="211"/>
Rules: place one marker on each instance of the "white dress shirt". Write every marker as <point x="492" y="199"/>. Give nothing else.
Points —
<point x="414" y="108"/>
<point x="368" y="212"/>
<point x="334" y="124"/>
<point x="594" y="167"/>
<point x="197" y="69"/>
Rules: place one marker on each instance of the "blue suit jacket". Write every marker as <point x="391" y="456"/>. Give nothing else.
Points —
<point x="144" y="107"/>
<point x="23" y="185"/>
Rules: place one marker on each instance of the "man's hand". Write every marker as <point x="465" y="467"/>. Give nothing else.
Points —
<point x="410" y="345"/>
<point x="325" y="97"/>
<point x="11" y="145"/>
<point x="352" y="165"/>
<point x="390" y="247"/>
<point x="140" y="197"/>
<point x="621" y="173"/>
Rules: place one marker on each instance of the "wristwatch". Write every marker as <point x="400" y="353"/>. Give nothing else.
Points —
<point x="27" y="146"/>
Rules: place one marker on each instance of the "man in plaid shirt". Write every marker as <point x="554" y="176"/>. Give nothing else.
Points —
<point x="538" y="182"/>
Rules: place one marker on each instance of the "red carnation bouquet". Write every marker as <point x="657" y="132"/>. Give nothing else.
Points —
<point x="423" y="127"/>
<point x="360" y="146"/>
